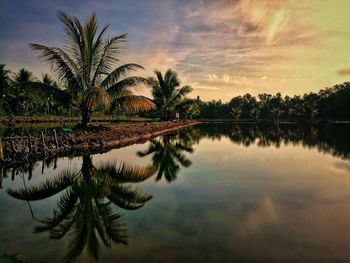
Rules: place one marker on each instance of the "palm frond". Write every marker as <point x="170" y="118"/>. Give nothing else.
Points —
<point x="182" y="92"/>
<point x="126" y="173"/>
<point x="78" y="237"/>
<point x="66" y="206"/>
<point x="134" y="103"/>
<point x="73" y="38"/>
<point x="60" y="62"/>
<point x="45" y="189"/>
<point x="127" y="197"/>
<point x="96" y="96"/>
<point x="119" y="72"/>
<point x="108" y="57"/>
<point x="115" y="230"/>
<point x="93" y="244"/>
<point x="127" y="83"/>
<point x="65" y="226"/>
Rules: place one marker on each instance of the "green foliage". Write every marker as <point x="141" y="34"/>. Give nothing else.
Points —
<point x="167" y="92"/>
<point x="329" y="103"/>
<point x="88" y="66"/>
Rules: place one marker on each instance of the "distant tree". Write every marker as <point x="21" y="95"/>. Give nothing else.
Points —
<point x="17" y="100"/>
<point x="188" y="108"/>
<point x="309" y="106"/>
<point x="167" y="92"/>
<point x="255" y="112"/>
<point x="236" y="112"/>
<point x="4" y="84"/>
<point x="276" y="114"/>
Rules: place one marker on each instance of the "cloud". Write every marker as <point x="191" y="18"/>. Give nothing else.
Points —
<point x="265" y="18"/>
<point x="265" y="214"/>
<point x="344" y="72"/>
<point x="224" y="48"/>
<point x="343" y="166"/>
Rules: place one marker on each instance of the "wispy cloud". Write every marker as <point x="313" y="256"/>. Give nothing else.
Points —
<point x="344" y="72"/>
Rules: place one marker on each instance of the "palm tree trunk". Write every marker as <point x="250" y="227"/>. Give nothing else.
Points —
<point x="85" y="119"/>
<point x="167" y="115"/>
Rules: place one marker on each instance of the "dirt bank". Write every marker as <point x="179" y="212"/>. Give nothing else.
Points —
<point x="20" y="149"/>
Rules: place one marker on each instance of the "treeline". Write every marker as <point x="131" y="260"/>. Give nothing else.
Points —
<point x="329" y="103"/>
<point x="15" y="98"/>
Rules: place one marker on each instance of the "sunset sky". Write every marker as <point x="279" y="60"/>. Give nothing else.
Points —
<point x="221" y="48"/>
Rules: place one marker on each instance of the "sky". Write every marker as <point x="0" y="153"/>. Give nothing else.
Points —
<point x="221" y="48"/>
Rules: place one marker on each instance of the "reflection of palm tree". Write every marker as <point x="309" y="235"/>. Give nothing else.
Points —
<point x="87" y="206"/>
<point x="168" y="156"/>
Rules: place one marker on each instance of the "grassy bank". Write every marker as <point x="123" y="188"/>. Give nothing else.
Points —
<point x="21" y="149"/>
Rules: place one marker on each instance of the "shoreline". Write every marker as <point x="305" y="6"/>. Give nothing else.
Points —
<point x="269" y="121"/>
<point x="19" y="150"/>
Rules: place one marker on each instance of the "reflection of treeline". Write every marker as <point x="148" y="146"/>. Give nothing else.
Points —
<point x="331" y="139"/>
<point x="329" y="103"/>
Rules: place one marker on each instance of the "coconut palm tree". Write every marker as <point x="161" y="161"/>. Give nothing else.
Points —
<point x="17" y="101"/>
<point x="4" y="80"/>
<point x="167" y="92"/>
<point x="89" y="66"/>
<point x="87" y="205"/>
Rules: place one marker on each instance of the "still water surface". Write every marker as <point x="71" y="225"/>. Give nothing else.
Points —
<point x="205" y="194"/>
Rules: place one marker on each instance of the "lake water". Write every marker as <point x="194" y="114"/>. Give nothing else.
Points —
<point x="211" y="193"/>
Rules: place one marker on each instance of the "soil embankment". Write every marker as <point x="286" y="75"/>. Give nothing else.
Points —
<point x="20" y="149"/>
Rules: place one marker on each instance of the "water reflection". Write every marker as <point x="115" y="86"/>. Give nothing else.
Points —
<point x="86" y="210"/>
<point x="168" y="153"/>
<point x="331" y="139"/>
<point x="240" y="201"/>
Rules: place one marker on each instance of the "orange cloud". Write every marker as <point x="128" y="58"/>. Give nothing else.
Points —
<point x="268" y="19"/>
<point x="344" y="72"/>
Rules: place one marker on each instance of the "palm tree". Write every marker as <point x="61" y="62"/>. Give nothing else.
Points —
<point x="166" y="92"/>
<point x="4" y="80"/>
<point x="87" y="205"/>
<point x="21" y="77"/>
<point x="168" y="156"/>
<point x="4" y="84"/>
<point x="17" y="100"/>
<point x="188" y="108"/>
<point x="236" y="112"/>
<point x="88" y="65"/>
<point x="47" y="79"/>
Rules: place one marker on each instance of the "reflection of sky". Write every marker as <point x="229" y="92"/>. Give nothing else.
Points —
<point x="232" y="203"/>
<point x="222" y="48"/>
